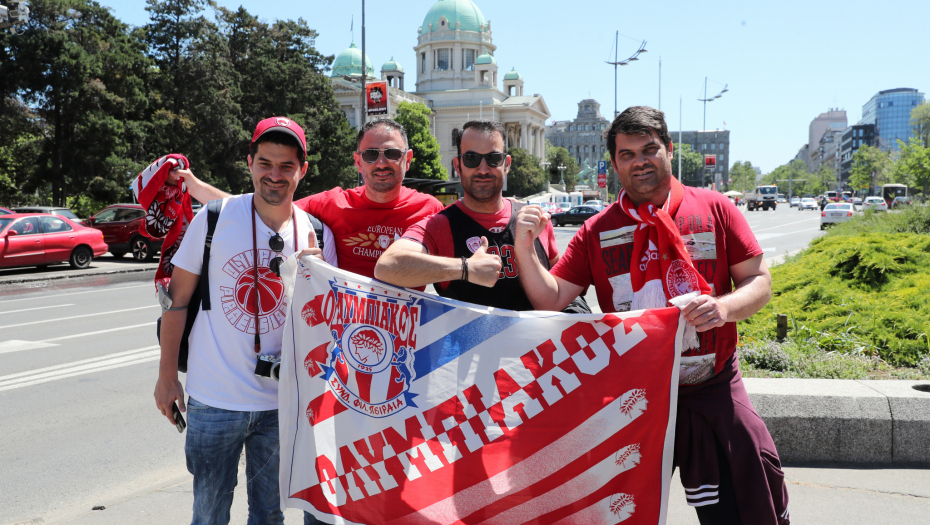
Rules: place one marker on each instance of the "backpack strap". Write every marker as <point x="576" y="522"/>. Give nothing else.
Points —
<point x="214" y="208"/>
<point x="318" y="229"/>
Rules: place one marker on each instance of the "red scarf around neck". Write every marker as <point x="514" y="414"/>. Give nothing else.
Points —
<point x="660" y="268"/>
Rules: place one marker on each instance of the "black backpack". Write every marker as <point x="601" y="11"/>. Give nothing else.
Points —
<point x="200" y="299"/>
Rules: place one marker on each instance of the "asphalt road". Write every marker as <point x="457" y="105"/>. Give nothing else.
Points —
<point x="78" y="363"/>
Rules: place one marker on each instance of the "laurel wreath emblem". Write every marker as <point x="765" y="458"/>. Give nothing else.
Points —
<point x="363" y="239"/>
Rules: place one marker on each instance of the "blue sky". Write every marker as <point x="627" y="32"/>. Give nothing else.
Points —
<point x="784" y="62"/>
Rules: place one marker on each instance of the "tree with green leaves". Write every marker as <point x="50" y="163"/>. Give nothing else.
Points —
<point x="78" y="71"/>
<point x="692" y="165"/>
<point x="913" y="166"/>
<point x="427" y="161"/>
<point x="920" y="121"/>
<point x="279" y="72"/>
<point x="561" y="157"/>
<point x="743" y="176"/>
<point x="870" y="167"/>
<point x="526" y="175"/>
<point x="790" y="178"/>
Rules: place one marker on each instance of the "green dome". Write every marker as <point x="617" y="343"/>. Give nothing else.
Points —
<point x="465" y="12"/>
<point x="349" y="62"/>
<point x="513" y="75"/>
<point x="391" y="65"/>
<point x="485" y="58"/>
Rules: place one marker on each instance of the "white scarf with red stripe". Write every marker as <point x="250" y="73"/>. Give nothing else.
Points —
<point x="168" y="209"/>
<point x="661" y="269"/>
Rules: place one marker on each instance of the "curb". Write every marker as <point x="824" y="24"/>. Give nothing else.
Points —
<point x="57" y="277"/>
<point x="845" y="420"/>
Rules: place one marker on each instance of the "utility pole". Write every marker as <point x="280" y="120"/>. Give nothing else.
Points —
<point x="615" y="63"/>
<point x="680" y="149"/>
<point x="705" y="100"/>
<point x="364" y="109"/>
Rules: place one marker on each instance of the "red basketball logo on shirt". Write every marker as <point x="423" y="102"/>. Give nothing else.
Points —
<point x="681" y="278"/>
<point x="269" y="291"/>
<point x="473" y="244"/>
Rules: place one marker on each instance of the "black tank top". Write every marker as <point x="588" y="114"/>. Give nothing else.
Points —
<point x="508" y="292"/>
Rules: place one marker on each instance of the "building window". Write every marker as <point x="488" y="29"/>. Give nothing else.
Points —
<point x="442" y="60"/>
<point x="455" y="136"/>
<point x="469" y="60"/>
<point x="571" y="128"/>
<point x="721" y="157"/>
<point x="586" y="149"/>
<point x="713" y="147"/>
<point x="571" y="149"/>
<point x="587" y="127"/>
<point x="704" y="147"/>
<point x="422" y="62"/>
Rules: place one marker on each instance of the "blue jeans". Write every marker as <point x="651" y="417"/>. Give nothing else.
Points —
<point x="215" y="438"/>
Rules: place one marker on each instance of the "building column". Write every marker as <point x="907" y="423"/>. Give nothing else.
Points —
<point x="541" y="143"/>
<point x="358" y="117"/>
<point x="523" y="136"/>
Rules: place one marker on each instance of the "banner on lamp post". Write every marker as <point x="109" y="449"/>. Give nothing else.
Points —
<point x="376" y="99"/>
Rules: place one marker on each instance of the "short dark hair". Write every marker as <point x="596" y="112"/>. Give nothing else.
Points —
<point x="282" y="139"/>
<point x="638" y="120"/>
<point x="386" y="122"/>
<point x="485" y="127"/>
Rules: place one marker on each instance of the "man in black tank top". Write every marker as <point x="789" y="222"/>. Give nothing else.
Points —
<point x="467" y="249"/>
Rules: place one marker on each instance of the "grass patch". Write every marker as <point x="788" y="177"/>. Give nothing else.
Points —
<point x="857" y="301"/>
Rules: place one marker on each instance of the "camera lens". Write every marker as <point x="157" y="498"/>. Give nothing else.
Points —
<point x="276" y="371"/>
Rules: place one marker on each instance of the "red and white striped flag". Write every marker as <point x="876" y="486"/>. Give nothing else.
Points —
<point x="398" y="406"/>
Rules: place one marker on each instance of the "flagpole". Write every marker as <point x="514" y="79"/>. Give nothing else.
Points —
<point x="680" y="151"/>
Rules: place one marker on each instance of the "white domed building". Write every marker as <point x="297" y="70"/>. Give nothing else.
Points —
<point x="456" y="76"/>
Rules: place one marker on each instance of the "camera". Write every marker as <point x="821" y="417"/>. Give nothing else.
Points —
<point x="268" y="366"/>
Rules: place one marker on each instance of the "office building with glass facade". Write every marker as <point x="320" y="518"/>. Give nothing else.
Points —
<point x="890" y="112"/>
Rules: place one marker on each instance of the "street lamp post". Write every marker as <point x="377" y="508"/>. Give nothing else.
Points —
<point x="615" y="63"/>
<point x="561" y="168"/>
<point x="705" y="100"/>
<point x="545" y="165"/>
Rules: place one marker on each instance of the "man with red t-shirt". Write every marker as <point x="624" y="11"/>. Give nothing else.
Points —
<point x="368" y="219"/>
<point x="467" y="249"/>
<point x="659" y="243"/>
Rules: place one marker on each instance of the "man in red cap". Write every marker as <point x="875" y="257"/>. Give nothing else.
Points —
<point x="367" y="219"/>
<point x="232" y="404"/>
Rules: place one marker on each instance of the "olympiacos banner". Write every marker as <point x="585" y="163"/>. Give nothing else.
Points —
<point x="403" y="407"/>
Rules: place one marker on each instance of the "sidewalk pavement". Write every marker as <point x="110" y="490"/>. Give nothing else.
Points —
<point x="828" y="495"/>
<point x="856" y="451"/>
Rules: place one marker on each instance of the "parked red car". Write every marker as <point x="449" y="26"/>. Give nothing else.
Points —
<point x="4" y="211"/>
<point x="34" y="239"/>
<point x="120" y="225"/>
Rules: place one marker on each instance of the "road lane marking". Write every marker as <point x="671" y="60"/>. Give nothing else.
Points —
<point x="5" y="301"/>
<point x="79" y="316"/>
<point x="16" y="345"/>
<point x="766" y="236"/>
<point x="788" y="224"/>
<point x="39" y="308"/>
<point x="77" y="368"/>
<point x="769" y="249"/>
<point x="97" y="332"/>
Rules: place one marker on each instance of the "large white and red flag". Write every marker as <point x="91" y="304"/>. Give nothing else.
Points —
<point x="398" y="406"/>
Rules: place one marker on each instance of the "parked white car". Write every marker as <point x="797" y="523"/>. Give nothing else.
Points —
<point x="875" y="203"/>
<point x="836" y="212"/>
<point x="808" y="203"/>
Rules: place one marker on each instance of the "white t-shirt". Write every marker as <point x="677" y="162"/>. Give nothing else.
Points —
<point x="221" y="363"/>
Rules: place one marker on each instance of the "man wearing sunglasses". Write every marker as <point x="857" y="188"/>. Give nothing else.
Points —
<point x="230" y="405"/>
<point x="368" y="219"/>
<point x="467" y="248"/>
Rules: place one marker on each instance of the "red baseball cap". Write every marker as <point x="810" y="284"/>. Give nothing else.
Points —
<point x="282" y="124"/>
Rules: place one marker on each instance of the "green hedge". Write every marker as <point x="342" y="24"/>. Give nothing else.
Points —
<point x="861" y="289"/>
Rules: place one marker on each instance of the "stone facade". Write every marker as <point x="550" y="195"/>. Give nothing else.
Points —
<point x="584" y="137"/>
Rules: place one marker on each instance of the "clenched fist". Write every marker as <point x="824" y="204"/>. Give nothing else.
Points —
<point x="531" y="221"/>
<point x="483" y="267"/>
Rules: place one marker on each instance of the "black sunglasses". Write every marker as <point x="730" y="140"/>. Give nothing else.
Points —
<point x="473" y="160"/>
<point x="370" y="156"/>
<point x="276" y="243"/>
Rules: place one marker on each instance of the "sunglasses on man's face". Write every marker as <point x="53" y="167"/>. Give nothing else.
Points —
<point x="473" y="160"/>
<point x="276" y="243"/>
<point x="370" y="156"/>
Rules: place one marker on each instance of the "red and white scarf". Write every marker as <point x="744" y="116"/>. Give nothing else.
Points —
<point x="168" y="209"/>
<point x="661" y="268"/>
